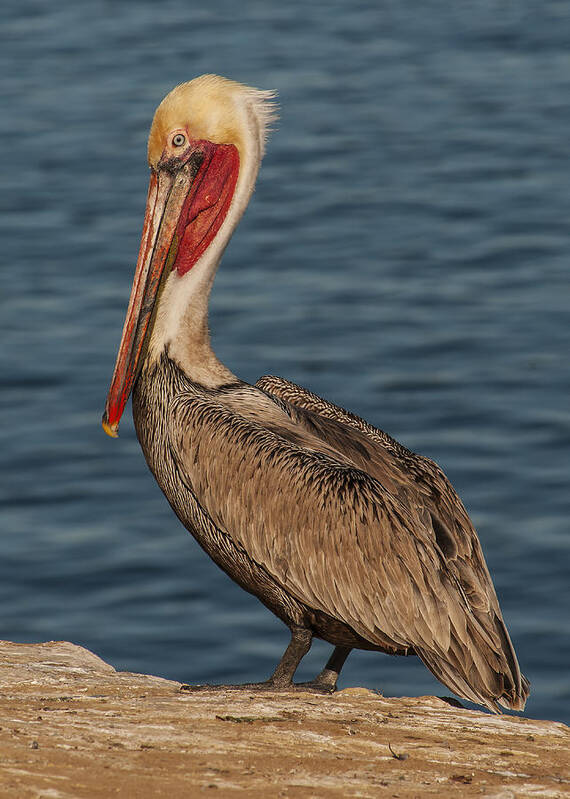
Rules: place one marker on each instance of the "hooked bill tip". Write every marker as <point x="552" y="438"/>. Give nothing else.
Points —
<point x="110" y="429"/>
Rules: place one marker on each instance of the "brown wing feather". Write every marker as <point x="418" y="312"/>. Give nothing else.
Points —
<point x="341" y="538"/>
<point x="420" y="483"/>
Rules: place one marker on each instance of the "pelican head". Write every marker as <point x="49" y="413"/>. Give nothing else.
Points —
<point x="206" y="142"/>
<point x="214" y="109"/>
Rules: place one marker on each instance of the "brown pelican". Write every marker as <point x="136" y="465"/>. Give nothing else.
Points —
<point x="336" y="527"/>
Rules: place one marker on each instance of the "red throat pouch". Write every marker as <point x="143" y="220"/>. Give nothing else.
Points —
<point x="207" y="204"/>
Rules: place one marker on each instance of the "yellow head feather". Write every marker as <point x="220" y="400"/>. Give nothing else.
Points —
<point x="216" y="109"/>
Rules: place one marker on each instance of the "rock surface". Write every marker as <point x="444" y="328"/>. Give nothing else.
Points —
<point x="72" y="726"/>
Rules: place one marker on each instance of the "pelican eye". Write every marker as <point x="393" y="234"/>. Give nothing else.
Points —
<point x="179" y="140"/>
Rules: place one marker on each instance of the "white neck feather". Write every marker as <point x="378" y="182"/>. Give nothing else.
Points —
<point x="181" y="324"/>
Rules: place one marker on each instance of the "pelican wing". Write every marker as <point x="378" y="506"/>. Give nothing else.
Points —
<point x="421" y="483"/>
<point x="335" y="536"/>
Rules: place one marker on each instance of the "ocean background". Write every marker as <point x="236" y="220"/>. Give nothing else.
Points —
<point x="405" y="255"/>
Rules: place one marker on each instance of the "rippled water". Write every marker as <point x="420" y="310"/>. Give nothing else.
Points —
<point x="406" y="255"/>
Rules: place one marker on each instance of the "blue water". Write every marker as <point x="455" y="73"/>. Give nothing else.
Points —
<point x="405" y="255"/>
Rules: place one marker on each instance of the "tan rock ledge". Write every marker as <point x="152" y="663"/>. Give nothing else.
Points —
<point x="72" y="726"/>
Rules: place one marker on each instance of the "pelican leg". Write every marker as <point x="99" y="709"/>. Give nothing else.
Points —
<point x="299" y="645"/>
<point x="282" y="677"/>
<point x="329" y="675"/>
<point x="327" y="679"/>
